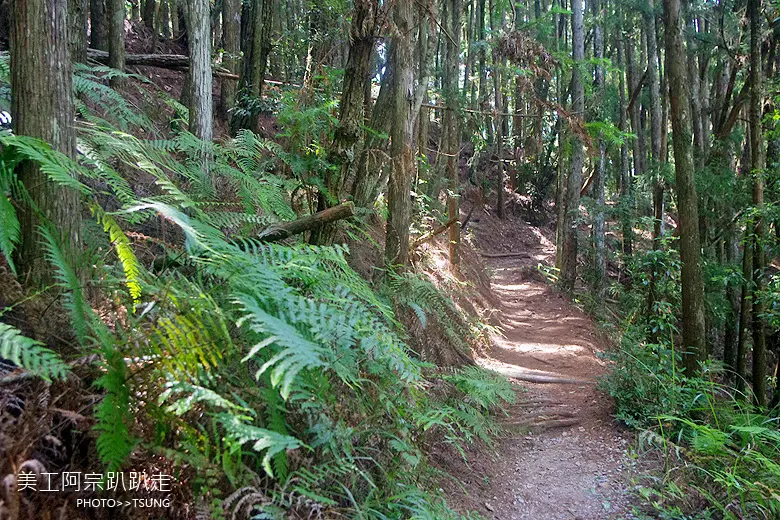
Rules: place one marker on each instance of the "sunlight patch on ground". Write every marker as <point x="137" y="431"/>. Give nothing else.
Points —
<point x="545" y="348"/>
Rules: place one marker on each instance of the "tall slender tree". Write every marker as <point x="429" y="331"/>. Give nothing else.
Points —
<point x="231" y="43"/>
<point x="98" y="38"/>
<point x="693" y="324"/>
<point x="117" y="11"/>
<point x="451" y="126"/>
<point x="568" y="228"/>
<point x="401" y="136"/>
<point x="201" y="103"/>
<point x="42" y="107"/>
<point x="759" y="232"/>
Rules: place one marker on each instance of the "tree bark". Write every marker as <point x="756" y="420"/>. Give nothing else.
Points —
<point x="150" y="6"/>
<point x="401" y="135"/>
<point x="572" y="205"/>
<point x="116" y="38"/>
<point x="599" y="248"/>
<point x="626" y="191"/>
<point x="744" y="314"/>
<point x="165" y="19"/>
<point x="345" y="147"/>
<point x="369" y="176"/>
<point x="255" y="57"/>
<point x="42" y="107"/>
<point x="759" y="230"/>
<point x="284" y="230"/>
<point x="693" y="325"/>
<point x="99" y="25"/>
<point x="78" y="27"/>
<point x="231" y="42"/>
<point x="450" y="88"/>
<point x="201" y="122"/>
<point x="655" y="123"/>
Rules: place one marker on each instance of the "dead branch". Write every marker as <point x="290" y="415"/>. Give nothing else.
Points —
<point x="162" y="61"/>
<point x="284" y="230"/>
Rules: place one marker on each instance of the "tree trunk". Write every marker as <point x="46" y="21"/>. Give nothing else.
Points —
<point x="370" y="174"/>
<point x="599" y="248"/>
<point x="759" y="233"/>
<point x="116" y="38"/>
<point x="78" y="29"/>
<point x="165" y="19"/>
<point x="98" y="38"/>
<point x="482" y="93"/>
<point x="634" y="77"/>
<point x="693" y="326"/>
<point x="346" y="141"/>
<point x="200" y="103"/>
<point x="255" y="57"/>
<point x="655" y="123"/>
<point x="626" y="191"/>
<point x="451" y="126"/>
<point x="401" y="147"/>
<point x="42" y="107"/>
<point x="744" y="314"/>
<point x="572" y="206"/>
<point x="231" y="34"/>
<point x="150" y="6"/>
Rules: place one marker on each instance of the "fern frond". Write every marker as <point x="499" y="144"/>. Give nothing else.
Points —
<point x="68" y="279"/>
<point x="30" y="354"/>
<point x="194" y="394"/>
<point x="264" y="441"/>
<point x="130" y="264"/>
<point x="56" y="165"/>
<point x="115" y="443"/>
<point x="10" y="229"/>
<point x="296" y="352"/>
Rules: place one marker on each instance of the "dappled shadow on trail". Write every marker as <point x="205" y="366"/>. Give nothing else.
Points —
<point x="564" y="456"/>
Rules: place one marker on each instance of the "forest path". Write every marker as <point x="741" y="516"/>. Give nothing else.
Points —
<point x="565" y="457"/>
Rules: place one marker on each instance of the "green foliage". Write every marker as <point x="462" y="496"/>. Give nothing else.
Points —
<point x="720" y="453"/>
<point x="259" y="358"/>
<point x="30" y="355"/>
<point x="425" y="300"/>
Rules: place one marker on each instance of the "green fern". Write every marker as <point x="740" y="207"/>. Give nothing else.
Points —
<point x="10" y="230"/>
<point x="194" y="394"/>
<point x="297" y="352"/>
<point x="113" y="414"/>
<point x="66" y="275"/>
<point x="264" y="441"/>
<point x="30" y="354"/>
<point x="130" y="264"/>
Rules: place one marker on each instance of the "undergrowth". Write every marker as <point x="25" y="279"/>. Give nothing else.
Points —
<point x="272" y="379"/>
<point x="719" y="452"/>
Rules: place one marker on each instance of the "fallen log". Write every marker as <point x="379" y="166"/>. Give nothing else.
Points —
<point x="441" y="229"/>
<point x="162" y="61"/>
<point x="438" y="231"/>
<point x="283" y="230"/>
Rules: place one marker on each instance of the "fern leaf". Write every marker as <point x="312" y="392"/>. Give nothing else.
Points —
<point x="115" y="443"/>
<point x="130" y="264"/>
<point x="66" y="275"/>
<point x="195" y="394"/>
<point x="297" y="353"/>
<point x="265" y="441"/>
<point x="31" y="355"/>
<point x="10" y="230"/>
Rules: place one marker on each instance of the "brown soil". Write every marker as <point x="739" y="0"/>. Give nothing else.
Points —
<point x="564" y="456"/>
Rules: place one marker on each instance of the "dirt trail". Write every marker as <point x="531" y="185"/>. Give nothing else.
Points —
<point x="574" y="464"/>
